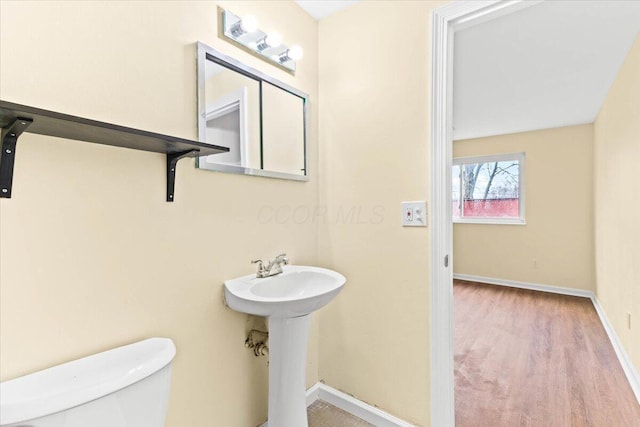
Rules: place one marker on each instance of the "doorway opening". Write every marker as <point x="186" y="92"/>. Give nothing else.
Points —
<point x="506" y="205"/>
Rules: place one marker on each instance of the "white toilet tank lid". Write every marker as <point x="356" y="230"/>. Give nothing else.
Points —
<point x="80" y="381"/>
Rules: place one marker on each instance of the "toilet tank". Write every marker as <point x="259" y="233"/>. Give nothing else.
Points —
<point x="124" y="387"/>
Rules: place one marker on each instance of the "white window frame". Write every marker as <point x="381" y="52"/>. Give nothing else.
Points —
<point x="520" y="157"/>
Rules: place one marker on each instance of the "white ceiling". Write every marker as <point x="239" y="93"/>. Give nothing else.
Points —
<point x="548" y="65"/>
<point x="322" y="8"/>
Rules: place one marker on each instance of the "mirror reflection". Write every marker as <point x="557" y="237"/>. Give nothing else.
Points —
<point x="232" y="116"/>
<point x="261" y="120"/>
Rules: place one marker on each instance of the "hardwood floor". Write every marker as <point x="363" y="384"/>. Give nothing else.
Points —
<point x="527" y="358"/>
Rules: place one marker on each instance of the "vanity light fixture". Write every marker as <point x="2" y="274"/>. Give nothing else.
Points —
<point x="271" y="40"/>
<point x="248" y="24"/>
<point x="268" y="46"/>
<point x="294" y="53"/>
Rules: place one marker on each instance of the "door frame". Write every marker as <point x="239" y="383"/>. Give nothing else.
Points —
<point x="236" y="100"/>
<point x="446" y="20"/>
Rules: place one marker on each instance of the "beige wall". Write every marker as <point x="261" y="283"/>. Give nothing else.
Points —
<point x="617" y="201"/>
<point x="91" y="256"/>
<point x="374" y="153"/>
<point x="555" y="246"/>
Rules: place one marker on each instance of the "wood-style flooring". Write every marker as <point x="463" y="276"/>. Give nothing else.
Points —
<point x="527" y="358"/>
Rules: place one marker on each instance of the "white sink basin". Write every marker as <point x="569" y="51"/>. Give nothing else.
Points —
<point x="299" y="290"/>
<point x="287" y="300"/>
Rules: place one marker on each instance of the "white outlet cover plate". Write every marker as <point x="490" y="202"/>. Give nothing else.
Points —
<point x="414" y="214"/>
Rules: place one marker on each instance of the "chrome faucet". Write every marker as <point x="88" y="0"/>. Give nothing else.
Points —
<point x="274" y="267"/>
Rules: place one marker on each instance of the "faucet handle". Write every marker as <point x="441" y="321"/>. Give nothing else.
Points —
<point x="262" y="271"/>
<point x="283" y="258"/>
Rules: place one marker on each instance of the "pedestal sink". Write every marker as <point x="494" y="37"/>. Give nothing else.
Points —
<point x="287" y="300"/>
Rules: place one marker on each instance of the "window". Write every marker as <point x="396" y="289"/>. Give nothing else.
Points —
<point x="489" y="189"/>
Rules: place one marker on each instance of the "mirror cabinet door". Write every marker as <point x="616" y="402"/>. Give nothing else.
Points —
<point x="262" y="121"/>
<point x="282" y="131"/>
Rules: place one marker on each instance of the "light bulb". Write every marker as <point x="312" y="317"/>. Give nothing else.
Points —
<point x="249" y="24"/>
<point x="273" y="39"/>
<point x="295" y="53"/>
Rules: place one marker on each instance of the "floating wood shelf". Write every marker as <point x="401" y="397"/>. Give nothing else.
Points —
<point x="16" y="119"/>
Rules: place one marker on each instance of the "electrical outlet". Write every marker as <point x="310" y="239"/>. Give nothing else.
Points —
<point x="414" y="214"/>
<point x="407" y="215"/>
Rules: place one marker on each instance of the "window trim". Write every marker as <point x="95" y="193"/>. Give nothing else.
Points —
<point x="520" y="157"/>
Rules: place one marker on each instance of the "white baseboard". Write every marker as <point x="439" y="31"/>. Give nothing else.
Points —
<point x="313" y="393"/>
<point x="629" y="370"/>
<point x="356" y="407"/>
<point x="525" y="285"/>
<point x="350" y="404"/>
<point x="627" y="366"/>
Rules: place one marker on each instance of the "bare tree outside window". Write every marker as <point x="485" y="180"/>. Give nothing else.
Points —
<point x="498" y="180"/>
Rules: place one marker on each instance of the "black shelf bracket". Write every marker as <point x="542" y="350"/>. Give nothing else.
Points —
<point x="172" y="162"/>
<point x="10" y="136"/>
<point x="16" y="119"/>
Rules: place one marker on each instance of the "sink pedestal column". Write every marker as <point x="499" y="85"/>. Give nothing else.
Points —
<point x="288" y="340"/>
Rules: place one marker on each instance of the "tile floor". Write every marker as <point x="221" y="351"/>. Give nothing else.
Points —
<point x="323" y="414"/>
